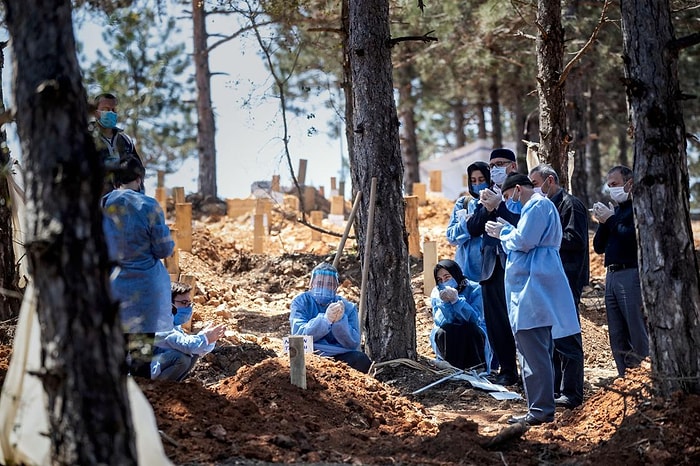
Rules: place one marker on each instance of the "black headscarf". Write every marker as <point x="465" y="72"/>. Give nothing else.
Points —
<point x="483" y="167"/>
<point x="454" y="269"/>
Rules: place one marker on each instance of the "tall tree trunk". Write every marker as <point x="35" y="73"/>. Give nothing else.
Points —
<point x="496" y="125"/>
<point x="206" y="125"/>
<point x="550" y="59"/>
<point x="11" y="297"/>
<point x="83" y="357"/>
<point x="622" y="136"/>
<point x="593" y="151"/>
<point x="391" y="331"/>
<point x="668" y="265"/>
<point x="519" y="117"/>
<point x="459" y="121"/>
<point x="347" y="87"/>
<point x="576" y="105"/>
<point x="407" y="105"/>
<point x="481" y="115"/>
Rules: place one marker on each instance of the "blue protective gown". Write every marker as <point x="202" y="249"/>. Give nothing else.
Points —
<point x="468" y="308"/>
<point x="537" y="290"/>
<point x="307" y="317"/>
<point x="468" y="252"/>
<point x="137" y="238"/>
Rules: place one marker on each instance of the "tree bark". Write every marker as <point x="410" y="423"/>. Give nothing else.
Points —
<point x="459" y="121"/>
<point x="496" y="126"/>
<point x="407" y="105"/>
<point x="668" y="265"/>
<point x="206" y="125"/>
<point x="550" y="59"/>
<point x="576" y="114"/>
<point x="391" y="312"/>
<point x="593" y="150"/>
<point x="481" y="115"/>
<point x="82" y="344"/>
<point x="11" y="297"/>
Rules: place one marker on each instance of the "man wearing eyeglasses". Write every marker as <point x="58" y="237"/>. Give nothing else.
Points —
<point x="490" y="207"/>
<point x="176" y="352"/>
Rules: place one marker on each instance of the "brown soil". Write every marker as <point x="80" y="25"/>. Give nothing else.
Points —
<point x="239" y="406"/>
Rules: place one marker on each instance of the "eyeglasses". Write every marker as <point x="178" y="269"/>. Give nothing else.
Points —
<point x="184" y="302"/>
<point x="502" y="163"/>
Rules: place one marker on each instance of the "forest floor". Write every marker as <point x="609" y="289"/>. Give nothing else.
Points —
<point x="239" y="407"/>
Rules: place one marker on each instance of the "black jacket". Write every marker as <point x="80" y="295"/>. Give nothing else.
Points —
<point x="617" y="237"/>
<point x="574" y="242"/>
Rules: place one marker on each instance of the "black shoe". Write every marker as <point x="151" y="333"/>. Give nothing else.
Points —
<point x="528" y="419"/>
<point x="565" y="402"/>
<point x="506" y="379"/>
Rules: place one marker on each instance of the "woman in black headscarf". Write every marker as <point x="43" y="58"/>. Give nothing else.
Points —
<point x="459" y="334"/>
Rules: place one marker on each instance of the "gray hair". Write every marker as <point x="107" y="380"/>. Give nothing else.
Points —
<point x="545" y="170"/>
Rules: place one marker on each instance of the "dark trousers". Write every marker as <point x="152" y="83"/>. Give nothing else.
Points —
<point x="568" y="368"/>
<point x="139" y="352"/>
<point x="493" y="292"/>
<point x="462" y="345"/>
<point x="355" y="359"/>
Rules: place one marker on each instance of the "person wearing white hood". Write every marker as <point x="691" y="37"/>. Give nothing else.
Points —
<point x="540" y="304"/>
<point x="616" y="238"/>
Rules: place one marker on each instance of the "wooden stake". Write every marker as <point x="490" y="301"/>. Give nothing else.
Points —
<point x="183" y="223"/>
<point x="179" y="195"/>
<point x="275" y="186"/>
<point x="301" y="173"/>
<point x="316" y="219"/>
<point x="172" y="263"/>
<point x="264" y="206"/>
<point x="297" y="361"/>
<point x="429" y="262"/>
<point x="337" y="205"/>
<point x="161" y="179"/>
<point x="162" y="198"/>
<point x="348" y="225"/>
<point x="411" y="221"/>
<point x="436" y="181"/>
<point x="258" y="234"/>
<point x="309" y="198"/>
<point x="419" y="191"/>
<point x="365" y="262"/>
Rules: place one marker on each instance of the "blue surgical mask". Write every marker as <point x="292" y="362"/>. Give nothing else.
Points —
<point x="498" y="175"/>
<point x="477" y="188"/>
<point x="182" y="315"/>
<point x="514" y="206"/>
<point x="108" y="119"/>
<point x="451" y="283"/>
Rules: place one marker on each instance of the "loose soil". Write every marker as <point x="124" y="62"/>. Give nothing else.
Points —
<point x="239" y="407"/>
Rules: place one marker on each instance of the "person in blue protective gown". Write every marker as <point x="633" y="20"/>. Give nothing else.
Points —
<point x="329" y="318"/>
<point x="540" y="304"/>
<point x="176" y="352"/>
<point x="459" y="333"/>
<point x="468" y="247"/>
<point x="137" y="239"/>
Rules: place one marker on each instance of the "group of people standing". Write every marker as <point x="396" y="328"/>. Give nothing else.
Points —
<point x="151" y="308"/>
<point x="524" y="241"/>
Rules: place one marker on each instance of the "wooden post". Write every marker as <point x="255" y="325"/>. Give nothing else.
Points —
<point x="309" y="198"/>
<point x="161" y="179"/>
<point x="179" y="195"/>
<point x="192" y="281"/>
<point x="238" y="207"/>
<point x="258" y="234"/>
<point x="411" y="220"/>
<point x="183" y="223"/>
<point x="291" y="203"/>
<point x="362" y="308"/>
<point x="337" y="205"/>
<point x="316" y="219"/>
<point x="341" y="188"/>
<point x="301" y="173"/>
<point x="275" y="183"/>
<point x="436" y="181"/>
<point x="162" y="198"/>
<point x="322" y="191"/>
<point x="334" y="187"/>
<point x="429" y="262"/>
<point x="172" y="263"/>
<point x="264" y="206"/>
<point x="297" y="361"/>
<point x="419" y="192"/>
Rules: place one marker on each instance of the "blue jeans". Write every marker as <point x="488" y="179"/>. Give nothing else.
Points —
<point x="629" y="340"/>
<point x="175" y="365"/>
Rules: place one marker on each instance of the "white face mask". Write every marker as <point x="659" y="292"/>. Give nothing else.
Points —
<point x="498" y="175"/>
<point x="618" y="194"/>
<point x="538" y="190"/>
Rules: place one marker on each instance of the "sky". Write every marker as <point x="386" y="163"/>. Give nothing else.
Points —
<point x="248" y="140"/>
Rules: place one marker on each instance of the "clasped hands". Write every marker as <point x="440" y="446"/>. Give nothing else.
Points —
<point x="449" y="295"/>
<point x="493" y="229"/>
<point x="489" y="199"/>
<point x="335" y="311"/>
<point x="602" y="212"/>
